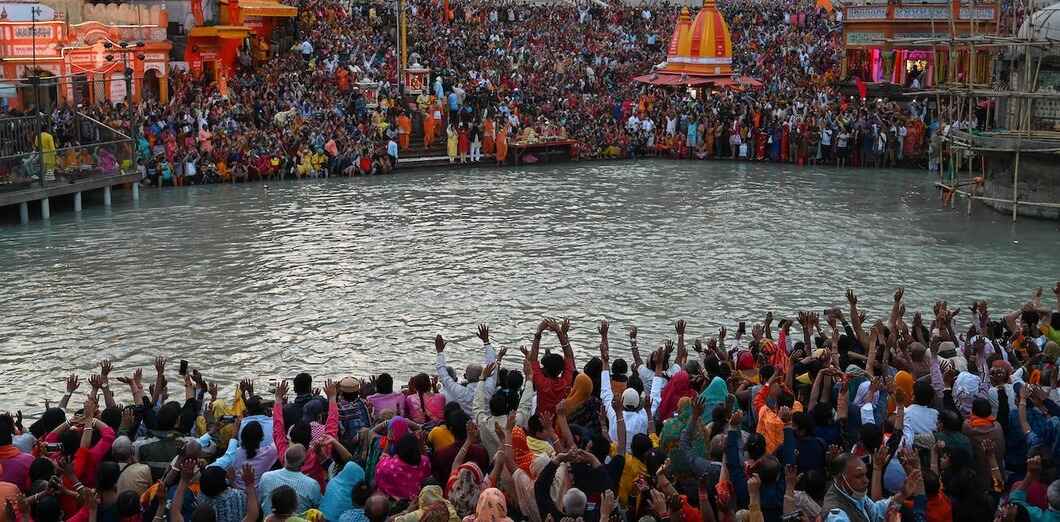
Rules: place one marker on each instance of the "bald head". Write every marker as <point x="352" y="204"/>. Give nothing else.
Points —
<point x="294" y="457"/>
<point x="377" y="508"/>
<point x="122" y="449"/>
<point x="574" y="502"/>
<point x="473" y="372"/>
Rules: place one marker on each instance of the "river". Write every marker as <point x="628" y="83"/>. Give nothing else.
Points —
<point x="357" y="275"/>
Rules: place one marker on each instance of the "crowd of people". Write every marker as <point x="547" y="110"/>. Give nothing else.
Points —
<point x="840" y="417"/>
<point x="510" y="72"/>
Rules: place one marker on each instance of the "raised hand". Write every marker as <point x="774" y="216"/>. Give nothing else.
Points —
<point x="602" y="329"/>
<point x="633" y="329"/>
<point x="72" y="383"/>
<point x="898" y="293"/>
<point x="680" y="327"/>
<point x="439" y="343"/>
<point x="96" y="381"/>
<point x="698" y="407"/>
<point x="249" y="479"/>
<point x="105" y="368"/>
<point x="564" y="327"/>
<point x="331" y="389"/>
<point x="281" y="391"/>
<point x="488" y="370"/>
<point x="483" y="333"/>
<point x="852" y="298"/>
<point x="160" y="364"/>
<point x="668" y="347"/>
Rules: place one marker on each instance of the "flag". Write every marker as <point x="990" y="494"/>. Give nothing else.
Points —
<point x="862" y="91"/>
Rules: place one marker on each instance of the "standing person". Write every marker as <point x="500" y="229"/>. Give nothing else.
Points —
<point x="489" y="136"/>
<point x="502" y="144"/>
<point x="476" y="142"/>
<point x="428" y="127"/>
<point x="463" y="142"/>
<point x="392" y="153"/>
<point x="451" y="143"/>
<point x="404" y="124"/>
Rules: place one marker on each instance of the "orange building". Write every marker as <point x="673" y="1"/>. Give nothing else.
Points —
<point x="700" y="52"/>
<point x="212" y="49"/>
<point x="71" y="59"/>
<point x="869" y="55"/>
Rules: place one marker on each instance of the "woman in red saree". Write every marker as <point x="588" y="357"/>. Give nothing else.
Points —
<point x="463" y="143"/>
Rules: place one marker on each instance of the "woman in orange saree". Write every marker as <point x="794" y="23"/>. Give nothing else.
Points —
<point x="502" y="145"/>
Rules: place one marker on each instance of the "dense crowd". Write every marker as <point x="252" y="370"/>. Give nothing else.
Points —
<point x="506" y="73"/>
<point x="839" y="418"/>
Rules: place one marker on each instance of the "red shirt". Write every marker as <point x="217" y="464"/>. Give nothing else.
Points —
<point x="550" y="391"/>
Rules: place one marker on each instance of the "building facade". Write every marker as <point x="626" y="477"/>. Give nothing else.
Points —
<point x="79" y="63"/>
<point x="880" y="42"/>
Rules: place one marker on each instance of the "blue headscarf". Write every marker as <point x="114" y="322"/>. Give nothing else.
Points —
<point x="338" y="497"/>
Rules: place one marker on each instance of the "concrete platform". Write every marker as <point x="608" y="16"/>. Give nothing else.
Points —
<point x="62" y="188"/>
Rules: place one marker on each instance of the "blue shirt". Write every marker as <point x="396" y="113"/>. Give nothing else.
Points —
<point x="453" y="103"/>
<point x="392" y="148"/>
<point x="308" y="490"/>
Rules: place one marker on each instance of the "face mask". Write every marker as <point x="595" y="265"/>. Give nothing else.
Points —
<point x="858" y="495"/>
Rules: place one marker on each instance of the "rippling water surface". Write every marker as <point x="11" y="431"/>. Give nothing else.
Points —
<point x="358" y="275"/>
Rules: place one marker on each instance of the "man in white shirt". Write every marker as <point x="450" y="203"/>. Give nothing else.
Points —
<point x="454" y="391"/>
<point x="647" y="126"/>
<point x="632" y="412"/>
<point x="920" y="417"/>
<point x="633" y="123"/>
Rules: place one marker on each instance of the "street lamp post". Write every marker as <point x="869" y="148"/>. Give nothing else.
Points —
<point x="125" y="49"/>
<point x="35" y="82"/>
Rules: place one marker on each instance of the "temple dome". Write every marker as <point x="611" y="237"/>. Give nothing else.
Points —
<point x="700" y="47"/>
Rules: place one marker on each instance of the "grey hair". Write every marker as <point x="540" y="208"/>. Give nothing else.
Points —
<point x="122" y="449"/>
<point x="574" y="502"/>
<point x="693" y="367"/>
<point x="1053" y="494"/>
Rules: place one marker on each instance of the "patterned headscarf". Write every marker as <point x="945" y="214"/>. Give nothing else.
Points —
<point x="523" y="456"/>
<point x="492" y="507"/>
<point x="464" y="487"/>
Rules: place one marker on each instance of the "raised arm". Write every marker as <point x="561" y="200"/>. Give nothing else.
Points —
<point x="331" y="390"/>
<point x="682" y="351"/>
<point x="250" y="487"/>
<point x="637" y="361"/>
<point x="279" y="431"/>
<point x="72" y="383"/>
<point x="855" y="316"/>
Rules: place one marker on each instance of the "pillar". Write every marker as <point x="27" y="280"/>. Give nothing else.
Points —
<point x="23" y="213"/>
<point x="163" y="88"/>
<point x="136" y="191"/>
<point x="106" y="196"/>
<point x="77" y="202"/>
<point x="45" y="209"/>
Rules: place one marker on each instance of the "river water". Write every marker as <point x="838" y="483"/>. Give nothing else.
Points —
<point x="357" y="275"/>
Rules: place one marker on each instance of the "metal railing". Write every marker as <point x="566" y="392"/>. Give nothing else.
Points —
<point x="92" y="149"/>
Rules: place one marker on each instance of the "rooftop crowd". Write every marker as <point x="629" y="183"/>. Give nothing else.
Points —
<point x="506" y="73"/>
<point x="935" y="416"/>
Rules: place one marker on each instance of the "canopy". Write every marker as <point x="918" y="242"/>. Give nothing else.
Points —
<point x="691" y="81"/>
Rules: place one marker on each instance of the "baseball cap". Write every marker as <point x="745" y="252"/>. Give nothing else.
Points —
<point x="630" y="398"/>
<point x="350" y="385"/>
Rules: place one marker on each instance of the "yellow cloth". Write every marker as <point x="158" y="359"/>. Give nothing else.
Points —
<point x="771" y="427"/>
<point x="579" y="393"/>
<point x="540" y="447"/>
<point x="632" y="470"/>
<point x="451" y="143"/>
<point x="440" y="438"/>
<point x="47" y="148"/>
<point x="903" y="383"/>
